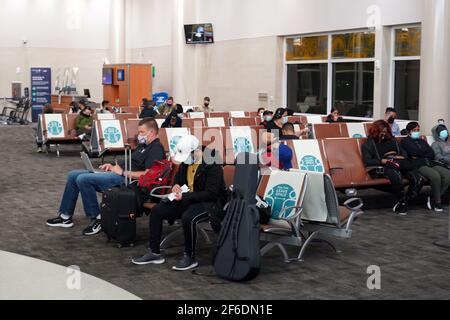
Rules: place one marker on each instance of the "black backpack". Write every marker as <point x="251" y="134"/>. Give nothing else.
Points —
<point x="238" y="255"/>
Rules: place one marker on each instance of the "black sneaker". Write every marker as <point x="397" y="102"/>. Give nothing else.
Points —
<point x="185" y="264"/>
<point x="149" y="258"/>
<point x="94" y="228"/>
<point x="438" y="207"/>
<point x="60" y="222"/>
<point x="401" y="208"/>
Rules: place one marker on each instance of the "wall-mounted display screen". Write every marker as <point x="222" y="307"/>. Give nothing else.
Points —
<point x="199" y="33"/>
<point x="107" y="76"/>
<point x="120" y="75"/>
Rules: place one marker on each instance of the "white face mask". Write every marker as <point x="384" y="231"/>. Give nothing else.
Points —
<point x="142" y="139"/>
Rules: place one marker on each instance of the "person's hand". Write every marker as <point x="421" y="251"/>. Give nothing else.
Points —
<point x="423" y="138"/>
<point x="178" y="196"/>
<point x="176" y="189"/>
<point x="106" y="167"/>
<point x="384" y="161"/>
<point x="117" y="170"/>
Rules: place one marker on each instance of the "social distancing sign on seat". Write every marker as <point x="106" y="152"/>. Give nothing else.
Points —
<point x="308" y="156"/>
<point x="105" y="116"/>
<point x="237" y="114"/>
<point x="216" y="122"/>
<point x="242" y="140"/>
<point x="112" y="134"/>
<point x="314" y="204"/>
<point x="55" y="126"/>
<point x="284" y="190"/>
<point x="173" y="136"/>
<point x="197" y="115"/>
<point x="356" y="130"/>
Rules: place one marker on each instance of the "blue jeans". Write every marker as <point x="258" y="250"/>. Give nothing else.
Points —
<point x="88" y="184"/>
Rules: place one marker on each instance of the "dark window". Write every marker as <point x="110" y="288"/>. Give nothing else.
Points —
<point x="406" y="92"/>
<point x="353" y="88"/>
<point x="307" y="88"/>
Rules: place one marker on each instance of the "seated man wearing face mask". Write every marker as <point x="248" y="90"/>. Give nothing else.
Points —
<point x="200" y="172"/>
<point x="88" y="184"/>
<point x="390" y="116"/>
<point x="206" y="107"/>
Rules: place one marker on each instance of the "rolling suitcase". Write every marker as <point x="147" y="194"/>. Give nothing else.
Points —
<point x="119" y="211"/>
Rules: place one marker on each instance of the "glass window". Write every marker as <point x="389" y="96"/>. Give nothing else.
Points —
<point x="353" y="45"/>
<point x="407" y="85"/>
<point x="407" y="42"/>
<point x="307" y="88"/>
<point x="353" y="85"/>
<point x="307" y="48"/>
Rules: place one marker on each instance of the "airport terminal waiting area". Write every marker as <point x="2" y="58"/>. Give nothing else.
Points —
<point x="372" y="243"/>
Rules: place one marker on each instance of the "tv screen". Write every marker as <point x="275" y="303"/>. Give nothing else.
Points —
<point x="107" y="76"/>
<point x="120" y="75"/>
<point x="199" y="33"/>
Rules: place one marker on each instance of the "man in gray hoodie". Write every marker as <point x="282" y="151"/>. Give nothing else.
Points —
<point x="441" y="146"/>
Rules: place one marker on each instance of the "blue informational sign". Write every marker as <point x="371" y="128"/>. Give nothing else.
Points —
<point x="160" y="97"/>
<point x="41" y="82"/>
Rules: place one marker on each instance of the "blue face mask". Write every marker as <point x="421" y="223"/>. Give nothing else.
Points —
<point x="268" y="118"/>
<point x="415" y="135"/>
<point x="285" y="120"/>
<point x="443" y="135"/>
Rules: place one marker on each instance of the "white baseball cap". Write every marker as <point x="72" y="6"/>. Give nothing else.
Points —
<point x="185" y="147"/>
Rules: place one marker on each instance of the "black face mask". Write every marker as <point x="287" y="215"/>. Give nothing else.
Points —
<point x="391" y="120"/>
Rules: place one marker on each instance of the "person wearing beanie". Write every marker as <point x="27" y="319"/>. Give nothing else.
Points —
<point x="423" y="155"/>
<point x="441" y="145"/>
<point x="276" y="155"/>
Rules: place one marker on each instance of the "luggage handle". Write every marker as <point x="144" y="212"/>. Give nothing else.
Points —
<point x="128" y="179"/>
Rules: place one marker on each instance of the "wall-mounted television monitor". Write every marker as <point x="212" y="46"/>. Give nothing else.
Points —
<point x="120" y="75"/>
<point x="199" y="33"/>
<point x="107" y="76"/>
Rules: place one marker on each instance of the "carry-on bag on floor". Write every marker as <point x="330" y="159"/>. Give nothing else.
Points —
<point x="119" y="211"/>
<point x="238" y="255"/>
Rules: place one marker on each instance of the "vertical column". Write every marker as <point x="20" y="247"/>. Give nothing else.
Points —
<point x="178" y="51"/>
<point x="117" y="32"/>
<point x="435" y="64"/>
<point x="382" y="72"/>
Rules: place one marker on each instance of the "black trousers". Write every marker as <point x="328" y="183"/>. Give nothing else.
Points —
<point x="397" y="187"/>
<point x="190" y="214"/>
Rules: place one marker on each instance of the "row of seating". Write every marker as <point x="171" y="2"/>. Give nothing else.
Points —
<point x="299" y="216"/>
<point x="341" y="158"/>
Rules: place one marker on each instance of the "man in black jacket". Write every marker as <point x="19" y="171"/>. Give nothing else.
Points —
<point x="204" y="199"/>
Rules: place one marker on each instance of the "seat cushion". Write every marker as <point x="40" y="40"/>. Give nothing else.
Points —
<point x="149" y="205"/>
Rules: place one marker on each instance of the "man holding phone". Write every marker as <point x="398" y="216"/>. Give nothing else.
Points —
<point x="88" y="184"/>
